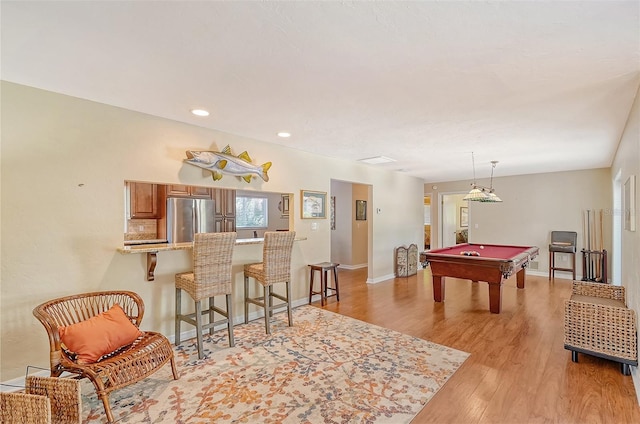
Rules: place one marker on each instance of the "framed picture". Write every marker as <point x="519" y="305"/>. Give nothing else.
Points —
<point x="284" y="206"/>
<point x="629" y="206"/>
<point x="464" y="216"/>
<point x="361" y="210"/>
<point x="314" y="204"/>
<point x="332" y="210"/>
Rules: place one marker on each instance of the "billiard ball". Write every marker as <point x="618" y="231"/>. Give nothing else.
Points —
<point x="481" y="247"/>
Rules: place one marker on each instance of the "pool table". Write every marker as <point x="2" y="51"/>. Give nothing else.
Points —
<point x="493" y="264"/>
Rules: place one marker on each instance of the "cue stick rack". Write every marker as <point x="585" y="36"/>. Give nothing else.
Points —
<point x="594" y="256"/>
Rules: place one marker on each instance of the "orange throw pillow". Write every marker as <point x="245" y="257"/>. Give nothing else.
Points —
<point x="99" y="335"/>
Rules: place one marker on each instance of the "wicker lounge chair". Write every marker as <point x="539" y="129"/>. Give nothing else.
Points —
<point x="597" y="322"/>
<point x="128" y="365"/>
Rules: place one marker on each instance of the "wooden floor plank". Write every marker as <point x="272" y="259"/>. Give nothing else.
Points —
<point x="518" y="371"/>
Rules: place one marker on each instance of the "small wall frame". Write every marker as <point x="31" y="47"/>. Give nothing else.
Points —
<point x="361" y="210"/>
<point x="464" y="216"/>
<point x="629" y="206"/>
<point x="313" y="204"/>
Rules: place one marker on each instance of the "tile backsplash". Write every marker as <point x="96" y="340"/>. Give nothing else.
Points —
<point x="141" y="229"/>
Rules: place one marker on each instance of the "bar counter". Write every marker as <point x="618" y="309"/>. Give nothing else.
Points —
<point x="152" y="249"/>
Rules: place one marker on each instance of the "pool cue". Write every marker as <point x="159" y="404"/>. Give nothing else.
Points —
<point x="594" y="262"/>
<point x="588" y="244"/>
<point x="602" y="257"/>
<point x="582" y="250"/>
<point x="591" y="245"/>
<point x="598" y="236"/>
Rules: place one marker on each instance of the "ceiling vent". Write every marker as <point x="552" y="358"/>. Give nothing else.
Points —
<point x="376" y="160"/>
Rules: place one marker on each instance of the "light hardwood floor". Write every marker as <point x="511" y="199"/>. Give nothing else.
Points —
<point x="518" y="371"/>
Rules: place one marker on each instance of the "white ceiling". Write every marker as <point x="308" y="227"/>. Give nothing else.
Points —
<point x="540" y="86"/>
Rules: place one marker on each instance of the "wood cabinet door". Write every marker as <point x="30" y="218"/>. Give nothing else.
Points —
<point x="225" y="202"/>
<point x="183" y="190"/>
<point x="144" y="200"/>
<point x="178" y="190"/>
<point x="200" y="192"/>
<point x="225" y="209"/>
<point x="229" y="224"/>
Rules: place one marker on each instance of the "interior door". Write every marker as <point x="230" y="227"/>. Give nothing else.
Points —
<point x="449" y="219"/>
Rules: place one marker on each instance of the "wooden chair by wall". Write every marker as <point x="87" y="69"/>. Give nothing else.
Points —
<point x="562" y="242"/>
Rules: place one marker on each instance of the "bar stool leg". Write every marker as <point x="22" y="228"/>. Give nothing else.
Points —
<point x="178" y="312"/>
<point x="311" y="285"/>
<point x="232" y="341"/>
<point x="323" y="287"/>
<point x="199" y="328"/>
<point x="267" y="308"/>
<point x="573" y="264"/>
<point x="335" y="281"/>
<point x="326" y="272"/>
<point x="211" y="314"/>
<point x="290" y="316"/>
<point x="550" y="264"/>
<point x="246" y="296"/>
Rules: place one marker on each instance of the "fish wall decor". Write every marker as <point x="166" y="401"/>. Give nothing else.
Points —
<point x="225" y="162"/>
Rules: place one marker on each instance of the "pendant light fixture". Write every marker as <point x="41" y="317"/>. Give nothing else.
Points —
<point x="479" y="193"/>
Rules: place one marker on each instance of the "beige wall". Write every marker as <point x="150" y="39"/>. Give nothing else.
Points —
<point x="532" y="207"/>
<point x="64" y="161"/>
<point x="625" y="164"/>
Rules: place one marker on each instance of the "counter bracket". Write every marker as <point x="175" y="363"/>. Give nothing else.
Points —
<point x="152" y="260"/>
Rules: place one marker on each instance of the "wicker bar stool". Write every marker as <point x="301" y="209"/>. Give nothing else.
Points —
<point x="211" y="276"/>
<point x="274" y="268"/>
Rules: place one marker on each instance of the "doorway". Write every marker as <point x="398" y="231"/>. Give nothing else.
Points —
<point x="427" y="221"/>
<point x="454" y="219"/>
<point x="351" y="238"/>
<point x="616" y="258"/>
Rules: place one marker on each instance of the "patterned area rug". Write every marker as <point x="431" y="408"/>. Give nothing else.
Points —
<point x="327" y="368"/>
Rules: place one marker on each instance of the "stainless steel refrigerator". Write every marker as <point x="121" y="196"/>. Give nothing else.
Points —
<point x="185" y="217"/>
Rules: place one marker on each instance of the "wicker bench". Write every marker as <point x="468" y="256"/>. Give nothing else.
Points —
<point x="128" y="365"/>
<point x="597" y="322"/>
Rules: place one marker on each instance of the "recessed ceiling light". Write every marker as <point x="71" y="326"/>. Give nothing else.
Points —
<point x="377" y="160"/>
<point x="200" y="112"/>
<point x="284" y="134"/>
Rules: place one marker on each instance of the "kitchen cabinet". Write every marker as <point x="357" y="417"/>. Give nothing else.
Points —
<point x="143" y="198"/>
<point x="225" y="210"/>
<point x="182" y="190"/>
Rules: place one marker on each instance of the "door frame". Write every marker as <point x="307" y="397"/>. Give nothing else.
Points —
<point x="441" y="198"/>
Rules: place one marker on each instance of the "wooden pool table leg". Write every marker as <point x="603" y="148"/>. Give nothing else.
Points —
<point x="495" y="298"/>
<point x="520" y="278"/>
<point x="438" y="288"/>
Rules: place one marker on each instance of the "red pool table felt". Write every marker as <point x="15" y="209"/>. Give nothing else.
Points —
<point x="494" y="265"/>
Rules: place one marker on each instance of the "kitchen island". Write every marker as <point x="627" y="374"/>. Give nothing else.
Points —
<point x="152" y="250"/>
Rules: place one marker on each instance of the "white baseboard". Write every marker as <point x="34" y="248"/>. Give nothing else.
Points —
<point x="358" y="266"/>
<point x="558" y="274"/>
<point x="381" y="279"/>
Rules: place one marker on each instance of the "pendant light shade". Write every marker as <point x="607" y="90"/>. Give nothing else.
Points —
<point x="479" y="193"/>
